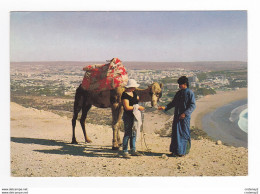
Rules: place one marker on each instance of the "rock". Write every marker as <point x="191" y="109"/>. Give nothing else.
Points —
<point x="180" y="166"/>
<point x="164" y="156"/>
<point x="195" y="165"/>
<point x="219" y="142"/>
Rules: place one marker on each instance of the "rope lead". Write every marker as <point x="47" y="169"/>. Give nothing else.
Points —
<point x="142" y="136"/>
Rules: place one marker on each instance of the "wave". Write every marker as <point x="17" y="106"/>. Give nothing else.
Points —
<point x="222" y="123"/>
<point x="243" y="120"/>
<point x="235" y="113"/>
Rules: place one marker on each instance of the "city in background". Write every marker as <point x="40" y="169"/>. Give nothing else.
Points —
<point x="52" y="85"/>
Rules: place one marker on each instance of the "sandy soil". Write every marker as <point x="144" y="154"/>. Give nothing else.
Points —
<point x="40" y="147"/>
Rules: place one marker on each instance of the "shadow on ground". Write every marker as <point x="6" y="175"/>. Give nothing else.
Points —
<point x="65" y="148"/>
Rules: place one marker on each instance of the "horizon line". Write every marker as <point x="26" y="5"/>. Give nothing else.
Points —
<point x="130" y="61"/>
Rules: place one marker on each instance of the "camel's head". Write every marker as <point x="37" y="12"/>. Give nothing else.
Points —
<point x="155" y="93"/>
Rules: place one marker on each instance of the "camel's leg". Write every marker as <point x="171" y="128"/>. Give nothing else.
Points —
<point x="85" y="110"/>
<point x="78" y="103"/>
<point x="74" y="120"/>
<point x="117" y="111"/>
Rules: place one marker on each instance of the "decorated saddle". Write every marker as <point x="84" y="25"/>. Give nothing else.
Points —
<point x="100" y="77"/>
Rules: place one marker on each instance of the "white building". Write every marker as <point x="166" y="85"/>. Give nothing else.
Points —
<point x="172" y="86"/>
<point x="193" y="84"/>
<point x="193" y="79"/>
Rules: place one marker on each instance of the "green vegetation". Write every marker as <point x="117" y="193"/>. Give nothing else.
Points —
<point x="168" y="80"/>
<point x="202" y="76"/>
<point x="31" y="90"/>
<point x="240" y="74"/>
<point x="196" y="133"/>
<point x="238" y="83"/>
<point x="204" y="91"/>
<point x="36" y="90"/>
<point x="236" y="78"/>
<point x="229" y="73"/>
<point x="171" y="94"/>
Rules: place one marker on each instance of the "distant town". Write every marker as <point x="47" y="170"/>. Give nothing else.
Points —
<point x="61" y="80"/>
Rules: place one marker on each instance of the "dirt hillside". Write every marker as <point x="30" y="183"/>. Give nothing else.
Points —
<point x="40" y="147"/>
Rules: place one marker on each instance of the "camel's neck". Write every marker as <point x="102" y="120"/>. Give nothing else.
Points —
<point x="144" y="94"/>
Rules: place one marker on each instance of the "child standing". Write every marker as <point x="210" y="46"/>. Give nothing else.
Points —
<point x="129" y="99"/>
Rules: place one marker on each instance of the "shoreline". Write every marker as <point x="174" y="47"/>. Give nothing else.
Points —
<point x="218" y="126"/>
<point x="209" y="103"/>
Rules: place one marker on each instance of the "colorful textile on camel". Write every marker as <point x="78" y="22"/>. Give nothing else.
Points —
<point x="102" y="77"/>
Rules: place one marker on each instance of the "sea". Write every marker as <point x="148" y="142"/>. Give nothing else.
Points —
<point x="228" y="124"/>
<point x="241" y="113"/>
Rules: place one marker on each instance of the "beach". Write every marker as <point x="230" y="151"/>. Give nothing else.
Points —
<point x="213" y="113"/>
<point x="222" y="124"/>
<point x="209" y="103"/>
<point x="40" y="147"/>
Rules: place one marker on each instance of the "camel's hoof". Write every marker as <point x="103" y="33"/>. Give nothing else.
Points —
<point x="74" y="142"/>
<point x="88" y="141"/>
<point x="115" y="148"/>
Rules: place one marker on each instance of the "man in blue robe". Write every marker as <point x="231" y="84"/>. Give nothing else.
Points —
<point x="184" y="103"/>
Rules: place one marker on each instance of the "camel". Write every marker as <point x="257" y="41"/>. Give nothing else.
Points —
<point x="109" y="99"/>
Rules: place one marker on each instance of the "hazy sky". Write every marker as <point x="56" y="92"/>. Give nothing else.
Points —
<point x="130" y="36"/>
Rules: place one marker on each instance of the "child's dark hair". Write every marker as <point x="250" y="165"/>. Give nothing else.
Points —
<point x="183" y="80"/>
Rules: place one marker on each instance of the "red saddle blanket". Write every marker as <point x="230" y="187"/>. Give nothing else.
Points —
<point x="102" y="77"/>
